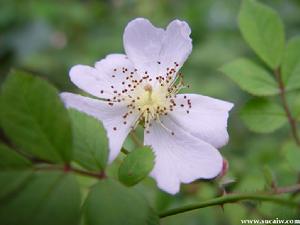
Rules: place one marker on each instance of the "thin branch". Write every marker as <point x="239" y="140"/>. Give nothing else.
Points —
<point x="100" y="175"/>
<point x="68" y="168"/>
<point x="289" y="189"/>
<point x="291" y="119"/>
<point x="232" y="198"/>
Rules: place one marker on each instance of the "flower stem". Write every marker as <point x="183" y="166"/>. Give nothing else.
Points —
<point x="291" y="119"/>
<point x="136" y="139"/>
<point x="232" y="198"/>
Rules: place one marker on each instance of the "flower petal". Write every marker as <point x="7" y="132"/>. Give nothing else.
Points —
<point x="180" y="158"/>
<point x="204" y="117"/>
<point x="110" y="116"/>
<point x="153" y="49"/>
<point x="85" y="78"/>
<point x="177" y="44"/>
<point x="115" y="68"/>
<point x="105" y="78"/>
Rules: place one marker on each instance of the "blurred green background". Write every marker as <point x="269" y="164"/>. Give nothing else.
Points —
<point x="48" y="37"/>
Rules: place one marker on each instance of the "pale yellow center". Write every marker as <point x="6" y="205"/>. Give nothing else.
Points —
<point x="151" y="102"/>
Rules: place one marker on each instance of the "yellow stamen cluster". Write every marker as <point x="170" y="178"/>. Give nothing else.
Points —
<point x="147" y="97"/>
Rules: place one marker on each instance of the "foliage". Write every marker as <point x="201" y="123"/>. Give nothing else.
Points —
<point x="34" y="118"/>
<point x="88" y="137"/>
<point x="136" y="166"/>
<point x="251" y="77"/>
<point x="262" y="115"/>
<point x="118" y="205"/>
<point x="259" y="24"/>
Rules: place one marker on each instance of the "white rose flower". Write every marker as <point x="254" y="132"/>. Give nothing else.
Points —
<point x="184" y="130"/>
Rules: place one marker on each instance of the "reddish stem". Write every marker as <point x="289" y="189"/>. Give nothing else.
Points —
<point x="100" y="175"/>
<point x="68" y="168"/>
<point x="291" y="119"/>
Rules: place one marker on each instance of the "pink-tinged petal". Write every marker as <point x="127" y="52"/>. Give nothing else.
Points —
<point x="154" y="50"/>
<point x="110" y="116"/>
<point x="203" y="117"/>
<point x="108" y="76"/>
<point x="180" y="157"/>
<point x="225" y="168"/>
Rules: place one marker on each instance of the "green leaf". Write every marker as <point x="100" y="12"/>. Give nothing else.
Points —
<point x="269" y="178"/>
<point x="111" y="203"/>
<point x="136" y="166"/>
<point x="48" y="198"/>
<point x="89" y="141"/>
<point x="12" y="180"/>
<point x="11" y="159"/>
<point x="291" y="65"/>
<point x="263" y="116"/>
<point x="263" y="30"/>
<point x="251" y="77"/>
<point x="293" y="100"/>
<point x="34" y="118"/>
<point x="292" y="153"/>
